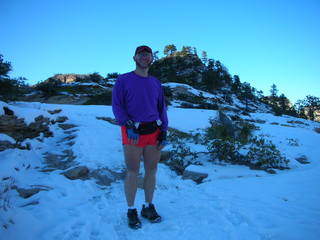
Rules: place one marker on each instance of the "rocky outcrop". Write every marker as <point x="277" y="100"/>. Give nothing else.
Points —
<point x="17" y="128"/>
<point x="69" y="78"/>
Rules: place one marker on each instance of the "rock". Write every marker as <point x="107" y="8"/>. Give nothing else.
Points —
<point x="105" y="176"/>
<point x="108" y="119"/>
<point x="6" y="145"/>
<point x="26" y="193"/>
<point x="59" y="161"/>
<point x="62" y="119"/>
<point x="317" y="130"/>
<point x="8" y="111"/>
<point x="226" y="121"/>
<point x="54" y="111"/>
<point x="66" y="126"/>
<point x="271" y="171"/>
<point x="303" y="159"/>
<point x="194" y="175"/>
<point x="165" y="156"/>
<point x="81" y="172"/>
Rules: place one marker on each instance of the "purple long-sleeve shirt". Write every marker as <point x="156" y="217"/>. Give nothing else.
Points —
<point x="139" y="99"/>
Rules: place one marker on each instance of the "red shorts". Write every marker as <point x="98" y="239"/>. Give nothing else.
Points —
<point x="144" y="140"/>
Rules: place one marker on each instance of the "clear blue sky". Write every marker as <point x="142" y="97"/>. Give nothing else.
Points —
<point x="262" y="41"/>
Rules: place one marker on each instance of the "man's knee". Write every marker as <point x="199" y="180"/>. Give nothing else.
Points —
<point x="132" y="173"/>
<point x="151" y="171"/>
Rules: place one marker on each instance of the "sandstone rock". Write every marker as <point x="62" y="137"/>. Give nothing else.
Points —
<point x="81" y="172"/>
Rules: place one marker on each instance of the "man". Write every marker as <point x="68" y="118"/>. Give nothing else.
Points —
<point x="139" y="107"/>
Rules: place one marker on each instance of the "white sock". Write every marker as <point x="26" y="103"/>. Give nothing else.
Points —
<point x="147" y="204"/>
<point x="131" y="207"/>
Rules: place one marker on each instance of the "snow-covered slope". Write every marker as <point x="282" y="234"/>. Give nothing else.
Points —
<point x="234" y="202"/>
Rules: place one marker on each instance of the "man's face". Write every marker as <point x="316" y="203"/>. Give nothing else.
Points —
<point x="143" y="59"/>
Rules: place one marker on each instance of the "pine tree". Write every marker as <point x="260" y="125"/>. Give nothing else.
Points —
<point x="169" y="50"/>
<point x="204" y="57"/>
<point x="274" y="94"/>
<point x="236" y="85"/>
<point x="9" y="88"/>
<point x="312" y="104"/>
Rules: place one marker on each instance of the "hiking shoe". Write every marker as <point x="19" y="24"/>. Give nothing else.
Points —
<point x="133" y="220"/>
<point x="150" y="213"/>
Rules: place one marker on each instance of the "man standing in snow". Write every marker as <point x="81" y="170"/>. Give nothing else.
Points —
<point x="139" y="107"/>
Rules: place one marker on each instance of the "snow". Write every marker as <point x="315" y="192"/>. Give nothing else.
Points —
<point x="5" y="137"/>
<point x="190" y="89"/>
<point x="234" y="202"/>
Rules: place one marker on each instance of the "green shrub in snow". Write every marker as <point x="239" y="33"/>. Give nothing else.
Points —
<point x="181" y="154"/>
<point x="264" y="154"/>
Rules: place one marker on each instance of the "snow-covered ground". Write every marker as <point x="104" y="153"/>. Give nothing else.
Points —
<point x="234" y="202"/>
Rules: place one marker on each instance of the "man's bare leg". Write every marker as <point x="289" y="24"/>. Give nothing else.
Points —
<point x="151" y="155"/>
<point x="132" y="156"/>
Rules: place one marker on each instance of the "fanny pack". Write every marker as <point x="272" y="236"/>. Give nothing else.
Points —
<point x="147" y="128"/>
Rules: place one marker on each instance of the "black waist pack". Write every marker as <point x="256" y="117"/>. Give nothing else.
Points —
<point x="147" y="128"/>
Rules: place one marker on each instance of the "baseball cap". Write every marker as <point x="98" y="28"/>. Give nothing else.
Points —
<point x="143" y="48"/>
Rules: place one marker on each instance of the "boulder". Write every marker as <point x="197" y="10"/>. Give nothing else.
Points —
<point x="195" y="173"/>
<point x="303" y="159"/>
<point x="81" y="172"/>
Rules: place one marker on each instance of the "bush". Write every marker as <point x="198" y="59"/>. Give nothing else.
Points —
<point x="264" y="154"/>
<point x="49" y="87"/>
<point x="181" y="155"/>
<point x="224" y="150"/>
<point x="101" y="99"/>
<point x="245" y="133"/>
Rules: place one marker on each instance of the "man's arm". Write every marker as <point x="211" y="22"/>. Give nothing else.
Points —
<point x="163" y="110"/>
<point x="118" y="103"/>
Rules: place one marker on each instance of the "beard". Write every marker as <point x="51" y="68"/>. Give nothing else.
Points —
<point x="143" y="66"/>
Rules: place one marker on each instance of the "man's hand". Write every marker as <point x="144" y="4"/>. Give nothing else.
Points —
<point x="132" y="132"/>
<point x="162" y="140"/>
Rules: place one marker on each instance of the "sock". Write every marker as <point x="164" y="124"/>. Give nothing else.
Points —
<point x="131" y="207"/>
<point x="147" y="204"/>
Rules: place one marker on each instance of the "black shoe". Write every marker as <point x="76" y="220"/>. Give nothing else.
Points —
<point x="133" y="220"/>
<point x="150" y="213"/>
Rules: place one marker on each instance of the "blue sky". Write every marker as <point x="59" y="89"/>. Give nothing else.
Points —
<point x="264" y="42"/>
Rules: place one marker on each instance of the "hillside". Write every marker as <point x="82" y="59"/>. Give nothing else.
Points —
<point x="44" y="195"/>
